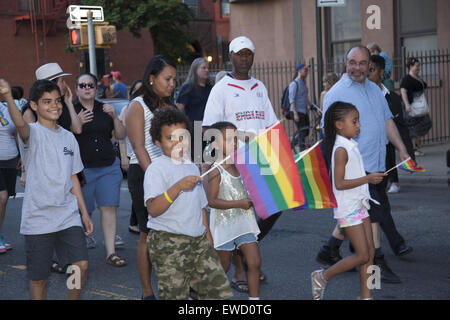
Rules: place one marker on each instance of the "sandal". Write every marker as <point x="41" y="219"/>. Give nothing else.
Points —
<point x="318" y="284"/>
<point x="115" y="260"/>
<point x="240" y="286"/>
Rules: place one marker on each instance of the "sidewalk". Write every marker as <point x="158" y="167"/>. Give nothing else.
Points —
<point x="435" y="164"/>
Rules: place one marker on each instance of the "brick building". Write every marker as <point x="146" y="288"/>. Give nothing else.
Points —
<point x="37" y="34"/>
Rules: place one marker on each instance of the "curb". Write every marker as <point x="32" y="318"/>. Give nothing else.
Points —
<point x="425" y="179"/>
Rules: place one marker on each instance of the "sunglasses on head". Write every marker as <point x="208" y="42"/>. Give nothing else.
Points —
<point x="86" y="85"/>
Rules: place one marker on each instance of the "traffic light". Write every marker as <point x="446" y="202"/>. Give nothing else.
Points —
<point x="105" y="35"/>
<point x="78" y="37"/>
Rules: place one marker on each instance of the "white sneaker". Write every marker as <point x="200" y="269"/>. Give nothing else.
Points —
<point x="90" y="242"/>
<point x="394" y="188"/>
<point x="119" y="242"/>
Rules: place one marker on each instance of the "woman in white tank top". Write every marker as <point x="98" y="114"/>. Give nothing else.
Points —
<point x="158" y="84"/>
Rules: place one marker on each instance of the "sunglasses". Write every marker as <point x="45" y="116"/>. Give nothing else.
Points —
<point x="86" y="85"/>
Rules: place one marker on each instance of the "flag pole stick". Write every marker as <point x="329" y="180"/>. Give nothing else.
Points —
<point x="308" y="151"/>
<point x="397" y="165"/>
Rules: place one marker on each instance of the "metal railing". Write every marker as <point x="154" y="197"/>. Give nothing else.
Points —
<point x="435" y="71"/>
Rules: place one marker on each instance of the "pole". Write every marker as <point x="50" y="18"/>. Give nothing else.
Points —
<point x="319" y="47"/>
<point x="91" y="37"/>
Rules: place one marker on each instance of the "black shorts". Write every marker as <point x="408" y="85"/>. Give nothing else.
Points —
<point x="378" y="192"/>
<point x="70" y="246"/>
<point x="8" y="179"/>
<point x="136" y="187"/>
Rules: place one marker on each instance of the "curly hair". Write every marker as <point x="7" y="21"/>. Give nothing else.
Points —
<point x="167" y="116"/>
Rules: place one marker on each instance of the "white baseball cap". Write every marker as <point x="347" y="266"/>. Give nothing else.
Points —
<point x="50" y="71"/>
<point x="239" y="43"/>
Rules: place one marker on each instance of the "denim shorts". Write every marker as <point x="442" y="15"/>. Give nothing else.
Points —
<point x="102" y="188"/>
<point x="236" y="243"/>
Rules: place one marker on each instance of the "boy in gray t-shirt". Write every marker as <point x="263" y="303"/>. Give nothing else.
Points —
<point x="177" y="241"/>
<point x="50" y="217"/>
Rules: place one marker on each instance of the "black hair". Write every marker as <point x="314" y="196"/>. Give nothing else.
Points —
<point x="411" y="61"/>
<point x="39" y="87"/>
<point x="154" y="67"/>
<point x="87" y="74"/>
<point x="167" y="116"/>
<point x="378" y="61"/>
<point x="17" y="92"/>
<point x="131" y="91"/>
<point x="223" y="125"/>
<point x="337" y="111"/>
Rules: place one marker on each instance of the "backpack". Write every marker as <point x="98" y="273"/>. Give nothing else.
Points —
<point x="285" y="105"/>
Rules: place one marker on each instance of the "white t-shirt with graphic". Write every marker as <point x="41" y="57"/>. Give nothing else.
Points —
<point x="245" y="103"/>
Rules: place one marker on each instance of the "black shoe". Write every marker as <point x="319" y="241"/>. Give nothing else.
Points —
<point x="328" y="256"/>
<point x="403" y="250"/>
<point x="387" y="275"/>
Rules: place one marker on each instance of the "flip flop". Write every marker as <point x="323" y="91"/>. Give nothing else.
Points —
<point x="237" y="285"/>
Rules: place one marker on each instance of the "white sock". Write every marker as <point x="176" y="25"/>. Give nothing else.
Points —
<point x="253" y="298"/>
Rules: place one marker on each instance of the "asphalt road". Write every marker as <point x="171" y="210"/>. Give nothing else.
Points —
<point x="421" y="213"/>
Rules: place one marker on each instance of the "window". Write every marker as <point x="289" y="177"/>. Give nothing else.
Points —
<point x="193" y="6"/>
<point x="224" y="8"/>
<point x="344" y="28"/>
<point x="417" y="36"/>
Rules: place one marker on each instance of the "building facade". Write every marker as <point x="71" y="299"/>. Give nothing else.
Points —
<point x="34" y="32"/>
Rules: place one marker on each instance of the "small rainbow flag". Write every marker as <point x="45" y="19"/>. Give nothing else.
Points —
<point x="268" y="170"/>
<point x="315" y="179"/>
<point x="3" y="119"/>
<point x="410" y="166"/>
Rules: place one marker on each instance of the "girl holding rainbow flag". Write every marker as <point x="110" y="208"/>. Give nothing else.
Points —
<point x="350" y="186"/>
<point x="232" y="221"/>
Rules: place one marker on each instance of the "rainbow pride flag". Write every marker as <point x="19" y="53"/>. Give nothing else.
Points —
<point x="410" y="166"/>
<point x="315" y="180"/>
<point x="268" y="170"/>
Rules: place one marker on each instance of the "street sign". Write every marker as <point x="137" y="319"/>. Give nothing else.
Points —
<point x="79" y="13"/>
<point x="331" y="3"/>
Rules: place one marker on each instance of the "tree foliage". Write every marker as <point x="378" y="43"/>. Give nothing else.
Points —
<point x="167" y="21"/>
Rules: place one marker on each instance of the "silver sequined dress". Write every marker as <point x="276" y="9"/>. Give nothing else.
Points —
<point x="228" y="224"/>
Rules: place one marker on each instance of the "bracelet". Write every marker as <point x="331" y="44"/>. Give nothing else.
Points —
<point x="167" y="197"/>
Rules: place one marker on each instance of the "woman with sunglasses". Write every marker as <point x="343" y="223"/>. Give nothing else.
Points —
<point x="101" y="165"/>
<point x="413" y="86"/>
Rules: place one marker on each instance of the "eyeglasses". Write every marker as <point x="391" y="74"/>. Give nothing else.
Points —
<point x="353" y="63"/>
<point x="86" y="85"/>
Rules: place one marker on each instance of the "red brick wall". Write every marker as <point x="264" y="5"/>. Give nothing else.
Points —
<point x="20" y="60"/>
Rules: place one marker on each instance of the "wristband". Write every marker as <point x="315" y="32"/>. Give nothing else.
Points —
<point x="167" y="197"/>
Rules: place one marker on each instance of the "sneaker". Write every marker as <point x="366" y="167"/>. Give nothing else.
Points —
<point x="395" y="188"/>
<point x="119" y="242"/>
<point x="387" y="275"/>
<point x="90" y="242"/>
<point x="4" y="246"/>
<point x="328" y="256"/>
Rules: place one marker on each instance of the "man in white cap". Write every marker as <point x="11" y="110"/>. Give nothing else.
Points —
<point x="244" y="101"/>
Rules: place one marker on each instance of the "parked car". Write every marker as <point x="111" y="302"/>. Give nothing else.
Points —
<point x="118" y="104"/>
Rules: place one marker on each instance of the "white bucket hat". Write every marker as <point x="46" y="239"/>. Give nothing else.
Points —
<point x="239" y="43"/>
<point x="50" y="71"/>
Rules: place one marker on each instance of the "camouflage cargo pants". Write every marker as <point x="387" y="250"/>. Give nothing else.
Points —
<point x="181" y="262"/>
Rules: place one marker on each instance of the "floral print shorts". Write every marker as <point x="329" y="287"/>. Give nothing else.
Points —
<point x="354" y="218"/>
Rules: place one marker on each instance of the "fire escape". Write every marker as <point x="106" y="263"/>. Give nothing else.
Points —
<point x="48" y="13"/>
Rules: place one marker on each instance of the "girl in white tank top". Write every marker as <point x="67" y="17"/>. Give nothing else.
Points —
<point x="350" y="186"/>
